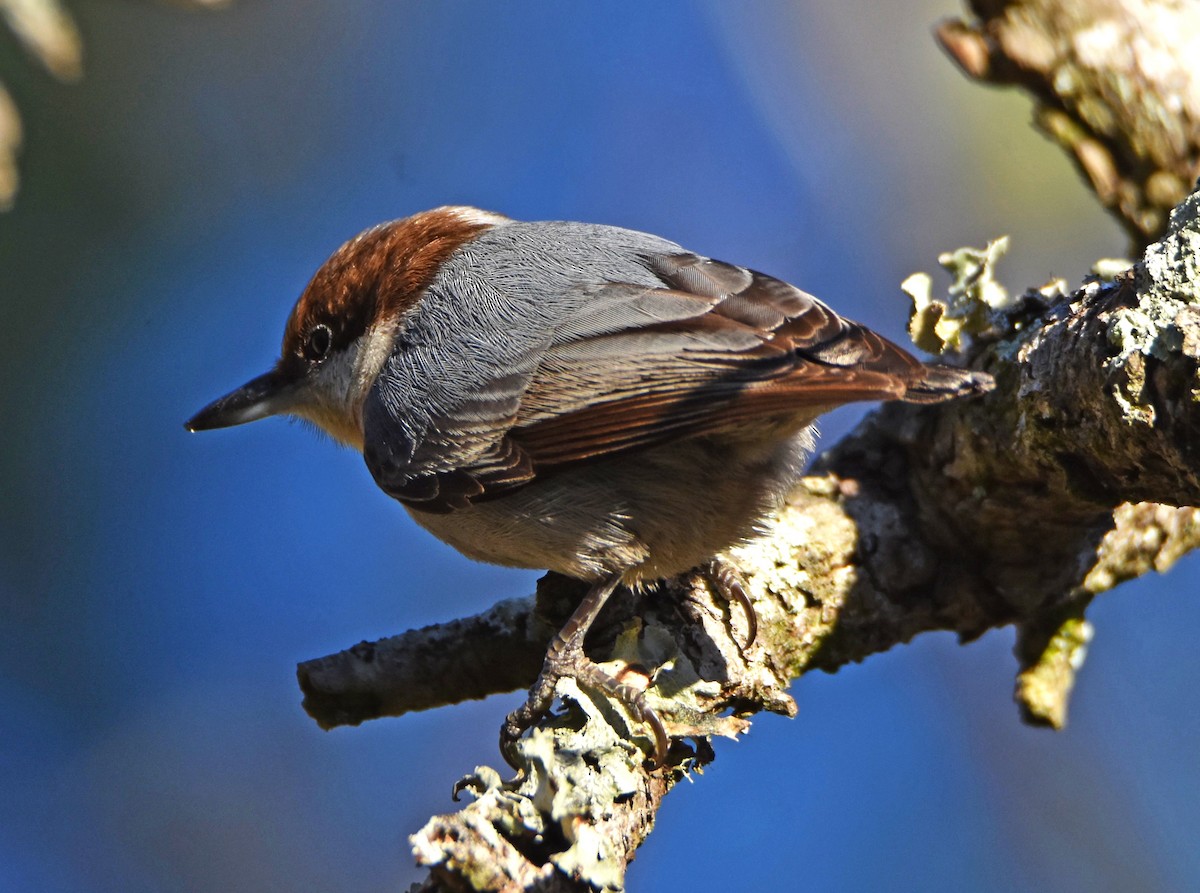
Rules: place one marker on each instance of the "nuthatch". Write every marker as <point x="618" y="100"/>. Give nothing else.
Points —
<point x="587" y="399"/>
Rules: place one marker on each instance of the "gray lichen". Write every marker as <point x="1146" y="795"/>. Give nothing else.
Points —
<point x="1172" y="265"/>
<point x="578" y="770"/>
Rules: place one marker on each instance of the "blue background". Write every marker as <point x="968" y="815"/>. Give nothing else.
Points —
<point x="157" y="589"/>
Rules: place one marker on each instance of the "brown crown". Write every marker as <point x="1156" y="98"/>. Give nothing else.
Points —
<point x="377" y="275"/>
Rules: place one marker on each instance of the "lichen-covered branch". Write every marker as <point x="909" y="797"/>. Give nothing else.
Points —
<point x="1115" y="83"/>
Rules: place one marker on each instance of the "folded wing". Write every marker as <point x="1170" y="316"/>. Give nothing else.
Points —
<point x="708" y="348"/>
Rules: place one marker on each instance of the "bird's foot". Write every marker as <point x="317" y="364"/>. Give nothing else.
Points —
<point x="727" y="581"/>
<point x="565" y="657"/>
<point x="590" y="675"/>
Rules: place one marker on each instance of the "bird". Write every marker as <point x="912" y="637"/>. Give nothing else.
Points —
<point x="582" y="398"/>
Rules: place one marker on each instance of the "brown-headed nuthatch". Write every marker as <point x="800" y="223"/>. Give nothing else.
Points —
<point x="587" y="399"/>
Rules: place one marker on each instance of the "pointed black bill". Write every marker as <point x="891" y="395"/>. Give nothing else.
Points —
<point x="264" y="396"/>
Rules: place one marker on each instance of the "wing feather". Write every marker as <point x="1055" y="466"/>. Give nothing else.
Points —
<point x="709" y="347"/>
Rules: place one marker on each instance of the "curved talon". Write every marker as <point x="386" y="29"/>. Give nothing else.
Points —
<point x="633" y="699"/>
<point x="514" y="727"/>
<point x="728" y="582"/>
<point x="662" y="742"/>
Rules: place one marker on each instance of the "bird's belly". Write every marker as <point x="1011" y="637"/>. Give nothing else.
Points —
<point x="645" y="515"/>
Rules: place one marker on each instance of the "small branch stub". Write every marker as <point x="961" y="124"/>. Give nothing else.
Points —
<point x="1044" y="684"/>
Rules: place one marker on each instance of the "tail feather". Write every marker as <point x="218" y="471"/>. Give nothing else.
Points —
<point x="940" y="383"/>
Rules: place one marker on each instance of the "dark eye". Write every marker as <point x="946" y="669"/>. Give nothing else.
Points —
<point x="318" y="342"/>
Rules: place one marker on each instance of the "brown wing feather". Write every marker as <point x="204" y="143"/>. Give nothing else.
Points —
<point x="715" y="347"/>
<point x="767" y="349"/>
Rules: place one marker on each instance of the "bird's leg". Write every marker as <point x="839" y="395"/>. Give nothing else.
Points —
<point x="565" y="657"/>
<point x="727" y="581"/>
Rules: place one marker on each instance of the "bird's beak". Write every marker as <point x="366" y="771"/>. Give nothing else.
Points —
<point x="267" y="395"/>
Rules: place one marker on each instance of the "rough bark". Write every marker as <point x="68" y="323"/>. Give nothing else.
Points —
<point x="1075" y="474"/>
<point x="1114" y="84"/>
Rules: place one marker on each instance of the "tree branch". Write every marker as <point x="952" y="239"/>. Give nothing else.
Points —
<point x="1114" y="84"/>
<point x="959" y="518"/>
<point x="1016" y="508"/>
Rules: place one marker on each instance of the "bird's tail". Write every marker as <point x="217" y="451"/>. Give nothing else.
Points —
<point x="946" y="383"/>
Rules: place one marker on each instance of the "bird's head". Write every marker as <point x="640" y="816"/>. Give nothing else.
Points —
<point x="344" y="325"/>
